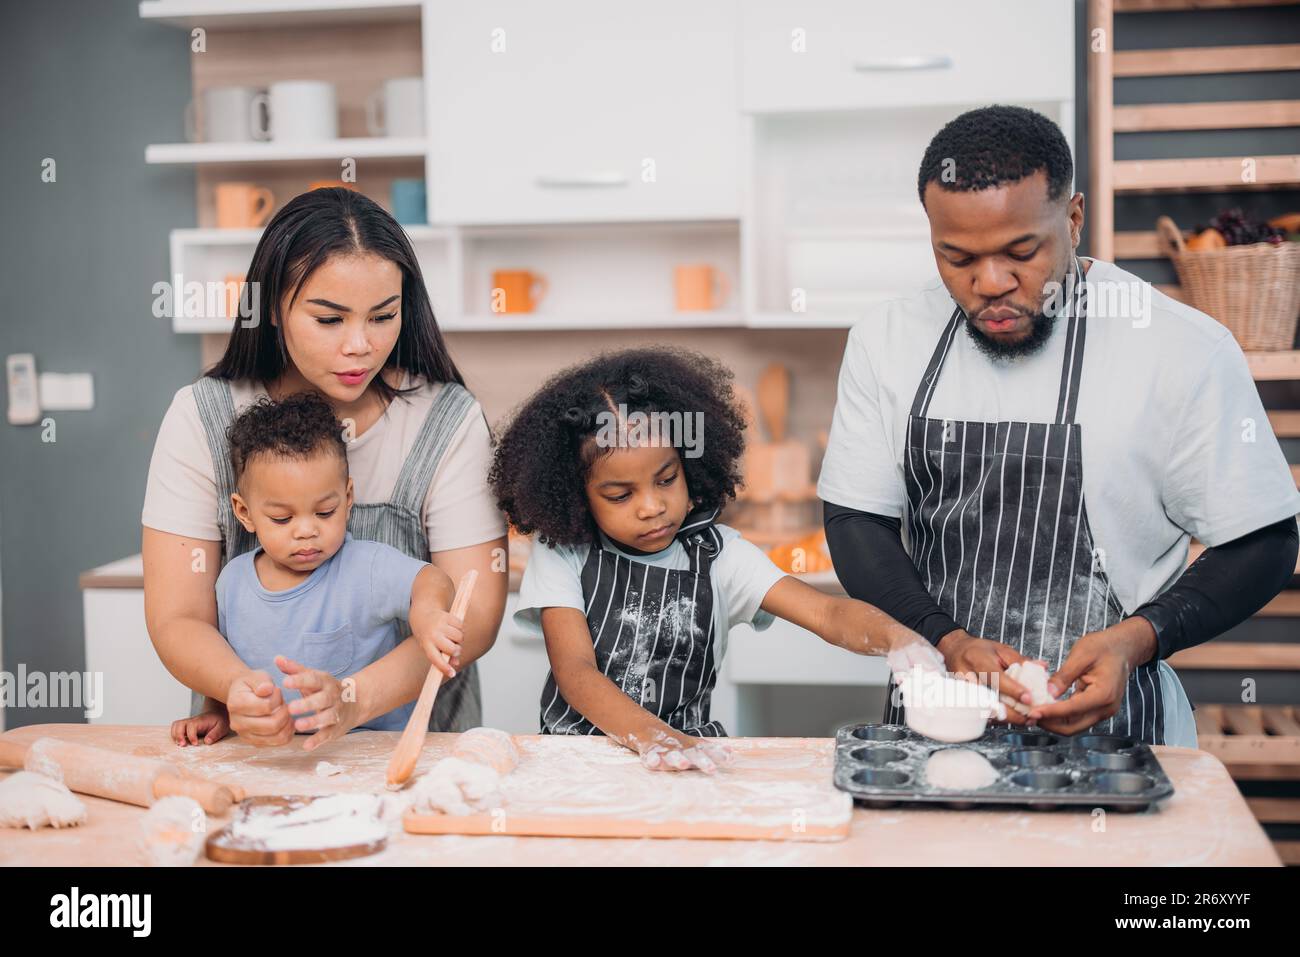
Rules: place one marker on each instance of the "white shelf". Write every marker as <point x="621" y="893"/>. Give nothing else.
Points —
<point x="357" y="147"/>
<point x="543" y="322"/>
<point x="809" y="320"/>
<point x="226" y="14"/>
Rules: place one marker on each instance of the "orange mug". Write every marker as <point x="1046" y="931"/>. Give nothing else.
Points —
<point x="700" y="288"/>
<point x="243" y="205"/>
<point x="513" y="290"/>
<point x="330" y="184"/>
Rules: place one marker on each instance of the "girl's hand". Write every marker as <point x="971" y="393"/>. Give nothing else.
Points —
<point x="336" y="712"/>
<point x="440" y="634"/>
<point x="257" y="711"/>
<point x="909" y="650"/>
<point x="211" y="727"/>
<point x="673" y="751"/>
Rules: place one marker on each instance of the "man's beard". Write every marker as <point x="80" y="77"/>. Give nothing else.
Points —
<point x="1040" y="330"/>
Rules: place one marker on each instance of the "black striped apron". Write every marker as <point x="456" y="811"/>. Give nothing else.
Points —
<point x="998" y="529"/>
<point x="652" y="631"/>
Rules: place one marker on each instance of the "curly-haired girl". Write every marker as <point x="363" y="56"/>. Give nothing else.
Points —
<point x="620" y="465"/>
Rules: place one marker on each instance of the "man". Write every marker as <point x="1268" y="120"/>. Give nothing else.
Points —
<point x="1018" y="459"/>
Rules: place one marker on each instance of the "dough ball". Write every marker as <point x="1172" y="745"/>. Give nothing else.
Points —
<point x="1034" y="677"/>
<point x="959" y="769"/>
<point x="28" y="799"/>
<point x="457" y="786"/>
<point x="488" y="746"/>
<point x="172" y="832"/>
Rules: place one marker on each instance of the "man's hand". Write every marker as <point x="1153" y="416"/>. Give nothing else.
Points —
<point x="979" y="659"/>
<point x="1101" y="663"/>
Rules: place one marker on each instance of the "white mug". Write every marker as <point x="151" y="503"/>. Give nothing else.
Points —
<point x="226" y="115"/>
<point x="397" y="108"/>
<point x="297" y="111"/>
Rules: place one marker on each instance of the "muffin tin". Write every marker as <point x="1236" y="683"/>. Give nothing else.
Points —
<point x="882" y="765"/>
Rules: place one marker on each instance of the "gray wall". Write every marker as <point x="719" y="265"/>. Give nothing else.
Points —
<point x="88" y="84"/>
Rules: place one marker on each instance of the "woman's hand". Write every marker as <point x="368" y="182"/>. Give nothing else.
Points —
<point x="980" y="660"/>
<point x="673" y="751"/>
<point x="257" y="711"/>
<point x="333" y="701"/>
<point x="210" y="727"/>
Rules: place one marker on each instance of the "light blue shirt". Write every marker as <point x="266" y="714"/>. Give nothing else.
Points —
<point x="341" y="618"/>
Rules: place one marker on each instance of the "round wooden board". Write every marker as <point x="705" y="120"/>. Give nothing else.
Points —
<point x="222" y="848"/>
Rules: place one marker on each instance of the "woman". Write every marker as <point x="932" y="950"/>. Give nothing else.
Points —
<point x="344" y="313"/>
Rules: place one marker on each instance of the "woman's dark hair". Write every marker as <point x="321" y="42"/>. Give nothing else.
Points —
<point x="296" y="427"/>
<point x="542" y="462"/>
<point x="310" y="229"/>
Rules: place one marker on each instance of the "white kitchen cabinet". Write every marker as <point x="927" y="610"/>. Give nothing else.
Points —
<point x="583" y="111"/>
<point x="785" y="654"/>
<point x="854" y="54"/>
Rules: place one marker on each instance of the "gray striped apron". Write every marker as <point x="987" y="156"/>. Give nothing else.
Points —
<point x="397" y="522"/>
<point x="999" y="532"/>
<point x="652" y="631"/>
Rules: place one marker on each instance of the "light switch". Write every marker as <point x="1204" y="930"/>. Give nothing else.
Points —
<point x="24" y="400"/>
<point x="67" y="391"/>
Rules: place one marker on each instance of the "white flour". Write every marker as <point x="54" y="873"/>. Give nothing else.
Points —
<point x="337" y="820"/>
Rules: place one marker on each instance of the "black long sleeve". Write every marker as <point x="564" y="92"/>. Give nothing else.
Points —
<point x="872" y="565"/>
<point x="1223" y="587"/>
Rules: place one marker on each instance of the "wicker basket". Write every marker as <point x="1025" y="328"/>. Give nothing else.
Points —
<point x="1253" y="290"/>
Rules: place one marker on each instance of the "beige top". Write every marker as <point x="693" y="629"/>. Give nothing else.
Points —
<point x="458" y="510"/>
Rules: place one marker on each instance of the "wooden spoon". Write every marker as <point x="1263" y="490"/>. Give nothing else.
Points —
<point x="407" y="752"/>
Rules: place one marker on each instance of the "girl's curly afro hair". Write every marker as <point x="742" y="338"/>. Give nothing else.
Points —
<point x="542" y="461"/>
<point x="296" y="427"/>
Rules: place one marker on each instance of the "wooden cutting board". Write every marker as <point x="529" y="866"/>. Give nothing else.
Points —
<point x="777" y="789"/>
<point x="223" y="847"/>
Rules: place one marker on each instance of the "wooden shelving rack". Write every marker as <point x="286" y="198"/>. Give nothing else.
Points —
<point x="1256" y="742"/>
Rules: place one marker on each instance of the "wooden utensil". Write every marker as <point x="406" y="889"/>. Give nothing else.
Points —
<point x="110" y="774"/>
<point x="408" y="747"/>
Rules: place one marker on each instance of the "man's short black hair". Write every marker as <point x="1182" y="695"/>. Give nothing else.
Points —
<point x="297" y="427"/>
<point x="993" y="145"/>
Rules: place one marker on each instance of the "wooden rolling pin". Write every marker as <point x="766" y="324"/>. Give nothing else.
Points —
<point x="407" y="752"/>
<point x="110" y="774"/>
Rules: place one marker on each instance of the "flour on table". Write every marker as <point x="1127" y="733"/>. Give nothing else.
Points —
<point x="959" y="769"/>
<point x="1034" y="677"/>
<point x="335" y="820"/>
<point x="172" y="832"/>
<point x="326" y="770"/>
<point x="32" y="800"/>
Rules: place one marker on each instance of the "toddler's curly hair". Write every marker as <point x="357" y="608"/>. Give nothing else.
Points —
<point x="546" y="451"/>
<point x="296" y="427"/>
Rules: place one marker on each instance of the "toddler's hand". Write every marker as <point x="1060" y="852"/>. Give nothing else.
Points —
<point x="211" y="727"/>
<point x="661" y="751"/>
<point x="336" y="712"/>
<point x="440" y="634"/>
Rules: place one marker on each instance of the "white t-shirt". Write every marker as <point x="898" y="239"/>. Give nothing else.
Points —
<point x="741" y="576"/>
<point x="1175" y="439"/>
<point x="458" y="511"/>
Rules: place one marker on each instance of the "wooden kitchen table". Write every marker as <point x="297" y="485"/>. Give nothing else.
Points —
<point x="1206" y="822"/>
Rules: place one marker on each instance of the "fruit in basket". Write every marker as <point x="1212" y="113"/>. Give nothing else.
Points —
<point x="1206" y="239"/>
<point x="1238" y="229"/>
<point x="1289" y="223"/>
